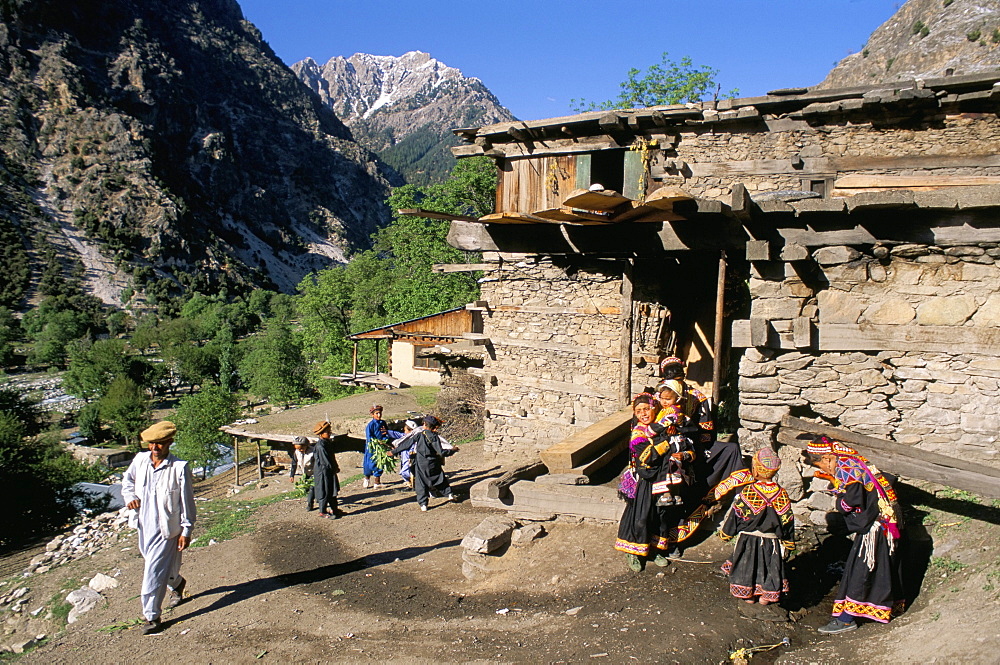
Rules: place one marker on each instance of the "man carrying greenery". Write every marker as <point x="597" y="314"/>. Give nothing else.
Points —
<point x="158" y="490"/>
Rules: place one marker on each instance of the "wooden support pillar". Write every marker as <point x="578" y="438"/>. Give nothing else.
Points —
<point x="354" y="360"/>
<point x="236" y="458"/>
<point x="717" y="346"/>
<point x="625" y="372"/>
<point x="260" y="463"/>
<point x="376" y="354"/>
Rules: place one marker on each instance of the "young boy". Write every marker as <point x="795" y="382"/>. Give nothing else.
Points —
<point x="302" y="462"/>
<point x="761" y="521"/>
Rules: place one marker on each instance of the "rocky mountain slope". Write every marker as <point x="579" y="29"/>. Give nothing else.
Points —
<point x="163" y="145"/>
<point x="926" y="39"/>
<point x="403" y="107"/>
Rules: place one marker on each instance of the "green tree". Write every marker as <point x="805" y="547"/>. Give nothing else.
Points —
<point x="393" y="281"/>
<point x="667" y="82"/>
<point x="22" y="409"/>
<point x="199" y="416"/>
<point x="94" y="365"/>
<point x="38" y="475"/>
<point x="273" y="366"/>
<point x="10" y="332"/>
<point x="125" y="408"/>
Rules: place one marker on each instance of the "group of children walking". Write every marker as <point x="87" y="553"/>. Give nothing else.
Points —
<point x="420" y="448"/>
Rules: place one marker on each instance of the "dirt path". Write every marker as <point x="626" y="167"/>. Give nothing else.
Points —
<point x="385" y="584"/>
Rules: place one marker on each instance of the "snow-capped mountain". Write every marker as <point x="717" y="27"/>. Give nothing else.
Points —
<point x="403" y="107"/>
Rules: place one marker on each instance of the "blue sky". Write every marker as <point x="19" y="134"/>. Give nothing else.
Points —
<point x="538" y="55"/>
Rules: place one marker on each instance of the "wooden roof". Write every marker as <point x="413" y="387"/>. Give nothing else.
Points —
<point x="616" y="128"/>
<point x="449" y="324"/>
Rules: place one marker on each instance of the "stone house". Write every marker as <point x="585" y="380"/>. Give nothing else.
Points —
<point x="829" y="255"/>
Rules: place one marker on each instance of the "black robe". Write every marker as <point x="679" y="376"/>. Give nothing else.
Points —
<point x="761" y="520"/>
<point x="872" y="586"/>
<point x="325" y="470"/>
<point x="428" y="467"/>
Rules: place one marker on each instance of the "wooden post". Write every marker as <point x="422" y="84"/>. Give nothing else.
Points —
<point x="236" y="458"/>
<point x="625" y="371"/>
<point x="354" y="361"/>
<point x="717" y="347"/>
<point x="260" y="463"/>
<point x="376" y="354"/>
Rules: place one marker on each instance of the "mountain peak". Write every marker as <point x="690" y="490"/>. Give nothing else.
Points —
<point x="403" y="104"/>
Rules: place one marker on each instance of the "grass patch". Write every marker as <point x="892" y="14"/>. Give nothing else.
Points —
<point x="946" y="565"/>
<point x="59" y="608"/>
<point x="425" y="396"/>
<point x="225" y="519"/>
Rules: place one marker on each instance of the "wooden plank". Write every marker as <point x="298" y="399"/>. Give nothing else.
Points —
<point x="719" y="329"/>
<point x="579" y="349"/>
<point x="560" y="214"/>
<point x="607" y="457"/>
<point x="759" y="329"/>
<point x="828" y="165"/>
<point x="564" y="387"/>
<point x="430" y="214"/>
<point x="641" y="213"/>
<point x="937" y="339"/>
<point x="513" y="218"/>
<point x="665" y="197"/>
<point x="802" y="329"/>
<point x="498" y="487"/>
<point x="758" y="250"/>
<point x="603" y="199"/>
<point x="461" y="267"/>
<point x="634" y="186"/>
<point x="586" y="444"/>
<point x="583" y="171"/>
<point x="625" y="343"/>
<point x="589" y="501"/>
<point x="535" y="309"/>
<point x="900" y="459"/>
<point x="906" y="181"/>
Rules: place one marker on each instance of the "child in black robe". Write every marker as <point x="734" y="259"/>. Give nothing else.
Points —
<point x="761" y="521"/>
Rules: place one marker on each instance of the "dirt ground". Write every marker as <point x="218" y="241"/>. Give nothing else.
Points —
<point x="385" y="583"/>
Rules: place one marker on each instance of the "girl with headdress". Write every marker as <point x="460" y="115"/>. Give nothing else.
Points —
<point x="871" y="587"/>
<point x="376" y="434"/>
<point x="763" y="527"/>
<point x="427" y="457"/>
<point x="638" y="530"/>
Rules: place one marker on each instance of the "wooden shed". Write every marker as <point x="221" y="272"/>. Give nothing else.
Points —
<point x="409" y="346"/>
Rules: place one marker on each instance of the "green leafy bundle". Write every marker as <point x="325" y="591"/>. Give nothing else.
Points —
<point x="380" y="455"/>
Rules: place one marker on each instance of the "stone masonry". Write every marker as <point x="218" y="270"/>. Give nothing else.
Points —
<point x="945" y="399"/>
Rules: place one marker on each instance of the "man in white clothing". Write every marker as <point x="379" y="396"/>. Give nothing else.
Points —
<point x="158" y="489"/>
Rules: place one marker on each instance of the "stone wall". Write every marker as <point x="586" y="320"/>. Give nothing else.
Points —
<point x="549" y="372"/>
<point x="937" y="395"/>
<point x="958" y="135"/>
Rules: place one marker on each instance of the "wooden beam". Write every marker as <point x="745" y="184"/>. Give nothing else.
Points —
<point x="665" y="197"/>
<point x="900" y="459"/>
<point x="602" y="199"/>
<point x="936" y="339"/>
<point x="513" y="218"/>
<point x="430" y="214"/>
<point x="906" y="181"/>
<point x="828" y="165"/>
<point x="498" y="487"/>
<point x="802" y="332"/>
<point x="578" y="349"/>
<point x="462" y="267"/>
<point x="236" y="459"/>
<point x="588" y="443"/>
<point x="260" y="463"/>
<point x="625" y="357"/>
<point x="564" y="387"/>
<point x="758" y="250"/>
<point x="720" y="314"/>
